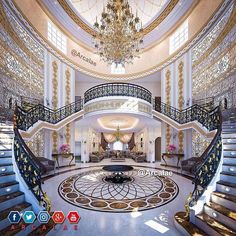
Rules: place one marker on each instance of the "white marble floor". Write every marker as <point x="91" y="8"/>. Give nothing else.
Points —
<point x="158" y="221"/>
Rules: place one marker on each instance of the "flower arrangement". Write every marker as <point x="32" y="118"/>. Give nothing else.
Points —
<point x="65" y="148"/>
<point x="171" y="148"/>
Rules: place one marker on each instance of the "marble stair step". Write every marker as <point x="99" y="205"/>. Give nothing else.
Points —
<point x="228" y="135"/>
<point x="229" y="160"/>
<point x="22" y="207"/>
<point x="226" y="187"/>
<point x="229" y="141"/>
<point x="229" y="153"/>
<point x="49" y="231"/>
<point x="6" y="153"/>
<point x="228" y="176"/>
<point x="6" y="168"/>
<point x="213" y="227"/>
<point x="7" y="177"/>
<point x="11" y="200"/>
<point x="189" y="227"/>
<point x="9" y="187"/>
<point x="18" y="229"/>
<point x="225" y="199"/>
<point x="5" y="160"/>
<point x="221" y="214"/>
<point x="5" y="146"/>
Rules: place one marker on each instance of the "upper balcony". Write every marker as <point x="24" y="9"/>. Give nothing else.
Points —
<point x="123" y="97"/>
<point x="118" y="89"/>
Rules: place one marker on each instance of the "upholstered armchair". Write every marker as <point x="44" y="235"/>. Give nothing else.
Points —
<point x="49" y="165"/>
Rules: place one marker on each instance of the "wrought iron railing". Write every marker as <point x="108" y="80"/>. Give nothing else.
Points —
<point x="118" y="89"/>
<point x="207" y="167"/>
<point x="30" y="169"/>
<point x="209" y="119"/>
<point x="27" y="118"/>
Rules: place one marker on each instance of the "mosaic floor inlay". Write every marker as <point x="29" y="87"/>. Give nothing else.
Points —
<point x="90" y="190"/>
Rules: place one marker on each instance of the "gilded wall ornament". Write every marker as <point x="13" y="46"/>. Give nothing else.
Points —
<point x="55" y="102"/>
<point x="181" y="103"/>
<point x="168" y="102"/>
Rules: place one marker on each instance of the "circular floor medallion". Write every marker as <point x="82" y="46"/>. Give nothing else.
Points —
<point x="89" y="189"/>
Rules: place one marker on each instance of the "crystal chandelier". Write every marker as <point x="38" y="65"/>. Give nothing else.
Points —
<point x="119" y="35"/>
<point x="117" y="133"/>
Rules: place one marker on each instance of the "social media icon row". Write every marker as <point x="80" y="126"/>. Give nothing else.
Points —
<point x="28" y="216"/>
<point x="43" y="217"/>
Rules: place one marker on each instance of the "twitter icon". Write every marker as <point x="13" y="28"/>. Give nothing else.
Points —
<point x="29" y="217"/>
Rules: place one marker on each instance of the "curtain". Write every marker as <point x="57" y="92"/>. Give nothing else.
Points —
<point x="125" y="138"/>
<point x="103" y="142"/>
<point x="111" y="138"/>
<point x="131" y="142"/>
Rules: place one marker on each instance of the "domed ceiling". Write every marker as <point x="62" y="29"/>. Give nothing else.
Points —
<point x="147" y="10"/>
<point x="77" y="17"/>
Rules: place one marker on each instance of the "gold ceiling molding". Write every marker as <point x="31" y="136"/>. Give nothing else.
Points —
<point x="64" y="4"/>
<point x="8" y="28"/>
<point x="228" y="27"/>
<point x="52" y="49"/>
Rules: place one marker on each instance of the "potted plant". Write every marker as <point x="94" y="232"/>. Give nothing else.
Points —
<point x="65" y="149"/>
<point x="171" y="149"/>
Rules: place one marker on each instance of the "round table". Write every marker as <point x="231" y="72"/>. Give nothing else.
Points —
<point x="117" y="176"/>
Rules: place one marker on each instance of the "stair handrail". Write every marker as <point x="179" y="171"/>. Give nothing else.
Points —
<point x="27" y="118"/>
<point x="207" y="167"/>
<point x="30" y="168"/>
<point x="193" y="113"/>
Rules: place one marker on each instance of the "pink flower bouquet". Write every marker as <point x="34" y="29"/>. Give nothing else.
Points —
<point x="171" y="148"/>
<point x="65" y="148"/>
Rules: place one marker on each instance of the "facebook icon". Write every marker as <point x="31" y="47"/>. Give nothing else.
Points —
<point x="14" y="217"/>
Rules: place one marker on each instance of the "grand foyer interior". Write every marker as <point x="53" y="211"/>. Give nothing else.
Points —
<point x="135" y="130"/>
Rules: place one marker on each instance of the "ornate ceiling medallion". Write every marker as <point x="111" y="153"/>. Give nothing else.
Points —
<point x="119" y="35"/>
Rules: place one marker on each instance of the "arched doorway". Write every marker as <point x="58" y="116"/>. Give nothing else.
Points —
<point x="158" y="149"/>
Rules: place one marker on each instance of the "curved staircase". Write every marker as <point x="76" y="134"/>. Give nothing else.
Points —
<point x="11" y="198"/>
<point x="219" y="215"/>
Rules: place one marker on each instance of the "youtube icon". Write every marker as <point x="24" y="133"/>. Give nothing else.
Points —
<point x="73" y="217"/>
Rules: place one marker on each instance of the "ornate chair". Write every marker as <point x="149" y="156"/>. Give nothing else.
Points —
<point x="47" y="164"/>
<point x="190" y="165"/>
